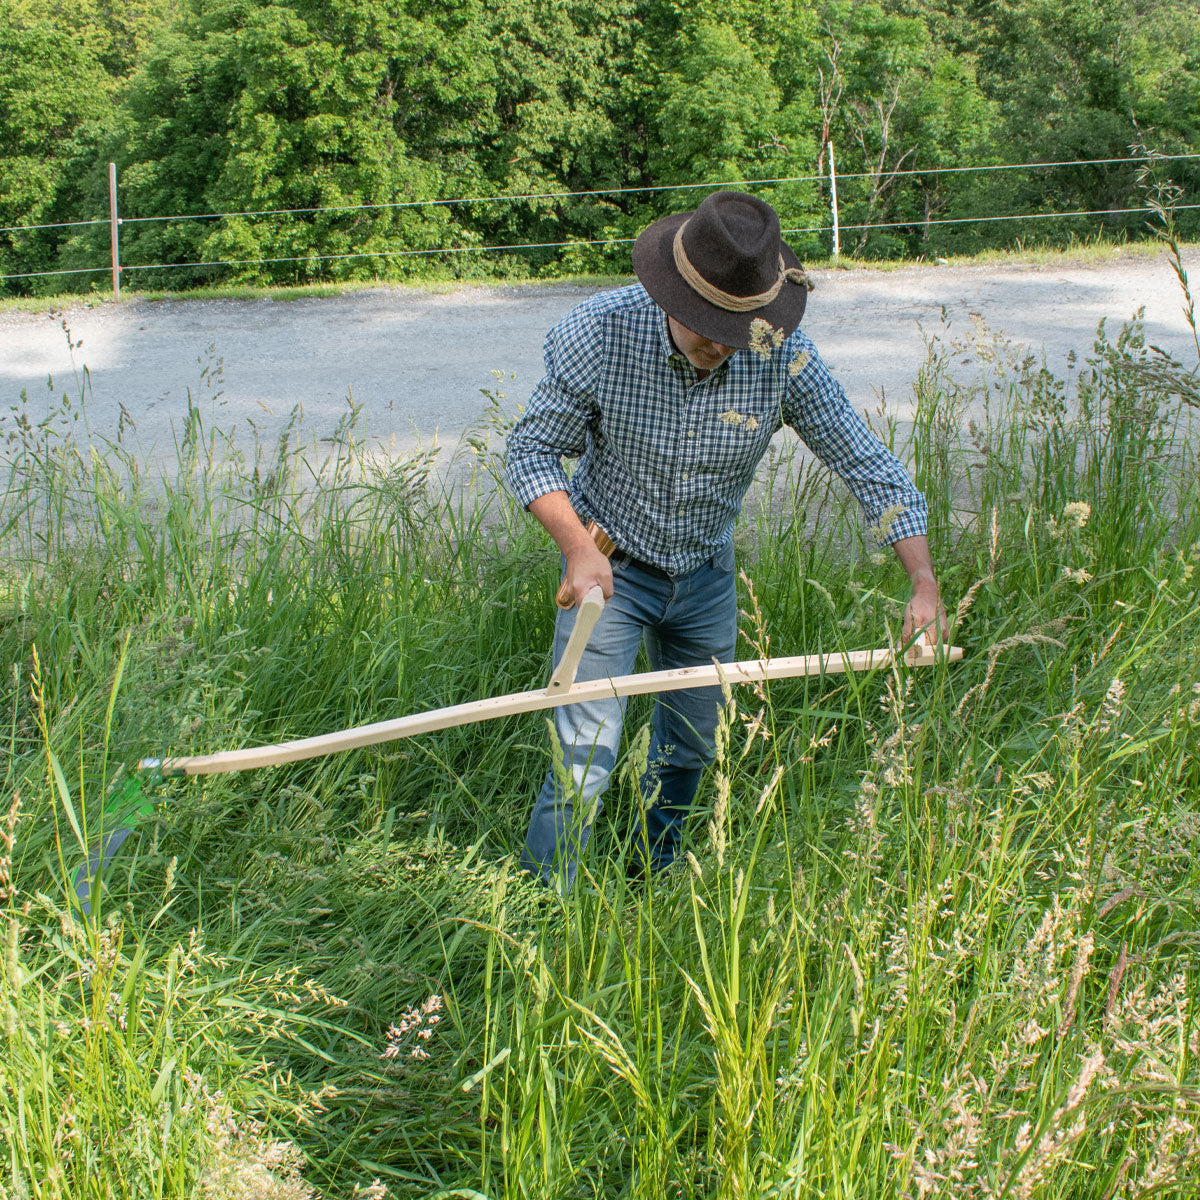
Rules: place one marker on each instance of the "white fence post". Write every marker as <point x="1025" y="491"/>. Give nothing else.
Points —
<point x="113" y="223"/>
<point x="833" y="202"/>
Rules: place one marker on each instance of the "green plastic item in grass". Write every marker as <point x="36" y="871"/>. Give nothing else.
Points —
<point x="127" y="808"/>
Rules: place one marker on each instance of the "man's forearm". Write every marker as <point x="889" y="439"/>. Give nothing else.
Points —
<point x="560" y="520"/>
<point x="914" y="556"/>
<point x="587" y="567"/>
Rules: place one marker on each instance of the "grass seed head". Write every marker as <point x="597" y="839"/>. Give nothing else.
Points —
<point x="765" y="339"/>
<point x="414" y="1028"/>
<point x="1076" y="514"/>
<point x="1110" y="711"/>
<point x="8" y="837"/>
<point x="881" y="528"/>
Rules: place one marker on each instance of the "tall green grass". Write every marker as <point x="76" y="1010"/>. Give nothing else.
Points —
<point x="935" y="934"/>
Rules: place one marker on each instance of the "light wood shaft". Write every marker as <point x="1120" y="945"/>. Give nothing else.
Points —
<point x="745" y="671"/>
<point x="590" y="609"/>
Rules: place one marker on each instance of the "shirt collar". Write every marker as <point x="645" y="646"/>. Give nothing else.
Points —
<point x="670" y="353"/>
<point x="664" y="335"/>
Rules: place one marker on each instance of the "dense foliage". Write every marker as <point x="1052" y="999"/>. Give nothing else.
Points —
<point x="216" y="106"/>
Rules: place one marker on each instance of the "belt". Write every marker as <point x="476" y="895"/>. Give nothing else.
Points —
<point x="621" y="558"/>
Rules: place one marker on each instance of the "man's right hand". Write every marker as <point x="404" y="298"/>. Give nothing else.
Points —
<point x="588" y="568"/>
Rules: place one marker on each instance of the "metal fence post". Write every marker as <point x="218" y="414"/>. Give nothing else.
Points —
<point x="113" y="223"/>
<point x="832" y="200"/>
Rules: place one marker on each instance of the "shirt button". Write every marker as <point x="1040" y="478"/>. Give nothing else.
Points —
<point x="691" y="433"/>
<point x="684" y="477"/>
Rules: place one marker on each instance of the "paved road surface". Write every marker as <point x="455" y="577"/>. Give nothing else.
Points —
<point x="417" y="360"/>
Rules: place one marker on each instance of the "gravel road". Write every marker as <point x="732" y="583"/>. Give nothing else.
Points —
<point x="417" y="360"/>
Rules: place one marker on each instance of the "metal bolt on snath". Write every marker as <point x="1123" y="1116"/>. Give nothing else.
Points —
<point x="131" y="804"/>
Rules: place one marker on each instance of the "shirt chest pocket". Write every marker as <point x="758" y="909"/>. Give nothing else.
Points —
<point x="734" y="436"/>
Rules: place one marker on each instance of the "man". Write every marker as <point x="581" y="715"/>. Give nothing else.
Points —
<point x="668" y="392"/>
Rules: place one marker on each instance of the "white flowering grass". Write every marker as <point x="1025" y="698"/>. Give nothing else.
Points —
<point x="932" y="934"/>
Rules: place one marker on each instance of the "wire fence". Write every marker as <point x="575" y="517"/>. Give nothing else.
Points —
<point x="115" y="222"/>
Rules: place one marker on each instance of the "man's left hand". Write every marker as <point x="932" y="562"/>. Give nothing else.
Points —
<point x="925" y="615"/>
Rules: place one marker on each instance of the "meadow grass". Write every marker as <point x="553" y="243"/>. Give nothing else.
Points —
<point x="934" y="934"/>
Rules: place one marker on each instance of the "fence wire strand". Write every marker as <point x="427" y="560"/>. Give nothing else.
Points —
<point x="242" y="262"/>
<point x="581" y="243"/>
<point x="621" y="191"/>
<point x="1083" y="212"/>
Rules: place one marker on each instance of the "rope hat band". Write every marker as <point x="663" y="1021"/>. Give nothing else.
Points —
<point x="726" y="300"/>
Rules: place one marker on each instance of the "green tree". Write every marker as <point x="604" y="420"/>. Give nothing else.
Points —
<point x="382" y="113"/>
<point x="1084" y="79"/>
<point x="953" y="125"/>
<point x="261" y="105"/>
<point x="117" y="36"/>
<point x="895" y="103"/>
<point x="296" y="104"/>
<point x="725" y="91"/>
<point x="554" y="123"/>
<point x="718" y="109"/>
<point x="55" y="101"/>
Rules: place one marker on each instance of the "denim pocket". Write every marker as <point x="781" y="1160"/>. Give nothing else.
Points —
<point x="723" y="560"/>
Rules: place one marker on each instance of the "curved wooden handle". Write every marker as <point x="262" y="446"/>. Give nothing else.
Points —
<point x="589" y="613"/>
<point x="745" y="671"/>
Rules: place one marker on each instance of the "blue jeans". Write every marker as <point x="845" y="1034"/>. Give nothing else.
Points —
<point x="685" y="621"/>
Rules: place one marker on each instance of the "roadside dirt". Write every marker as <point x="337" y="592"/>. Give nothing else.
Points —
<point x="419" y="361"/>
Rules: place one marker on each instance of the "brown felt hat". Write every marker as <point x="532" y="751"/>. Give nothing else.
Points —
<point x="724" y="266"/>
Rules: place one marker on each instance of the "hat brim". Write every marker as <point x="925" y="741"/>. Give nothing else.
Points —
<point x="654" y="265"/>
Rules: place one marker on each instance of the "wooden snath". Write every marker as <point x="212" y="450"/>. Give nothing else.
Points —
<point x="562" y="690"/>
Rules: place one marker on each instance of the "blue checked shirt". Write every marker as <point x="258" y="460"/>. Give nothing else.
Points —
<point x="665" y="460"/>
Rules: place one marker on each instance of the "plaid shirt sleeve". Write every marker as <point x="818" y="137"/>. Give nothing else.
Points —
<point x="815" y="406"/>
<point x="560" y="411"/>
